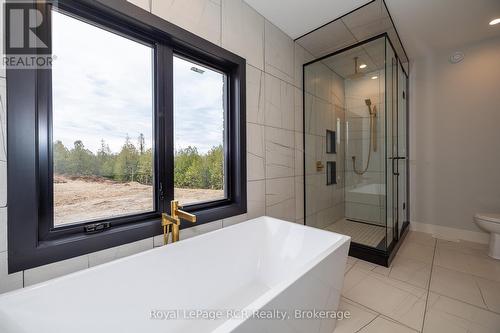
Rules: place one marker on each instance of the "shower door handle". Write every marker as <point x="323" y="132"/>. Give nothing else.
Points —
<point x="394" y="159"/>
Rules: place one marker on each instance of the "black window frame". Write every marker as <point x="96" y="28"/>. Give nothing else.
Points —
<point x="32" y="241"/>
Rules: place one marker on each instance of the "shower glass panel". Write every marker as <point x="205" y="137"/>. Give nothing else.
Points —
<point x="402" y="147"/>
<point x="391" y="143"/>
<point x="358" y="93"/>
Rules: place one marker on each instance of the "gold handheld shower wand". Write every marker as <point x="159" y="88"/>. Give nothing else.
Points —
<point x="373" y="137"/>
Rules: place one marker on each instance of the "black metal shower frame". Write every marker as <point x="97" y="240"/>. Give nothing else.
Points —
<point x="357" y="250"/>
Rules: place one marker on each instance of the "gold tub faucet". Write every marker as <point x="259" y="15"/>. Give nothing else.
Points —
<point x="174" y="221"/>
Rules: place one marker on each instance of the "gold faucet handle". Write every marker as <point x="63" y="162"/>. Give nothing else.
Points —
<point x="167" y="220"/>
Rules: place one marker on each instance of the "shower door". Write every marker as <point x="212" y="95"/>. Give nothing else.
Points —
<point x="396" y="146"/>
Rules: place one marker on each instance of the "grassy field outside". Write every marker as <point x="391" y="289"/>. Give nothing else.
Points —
<point x="78" y="199"/>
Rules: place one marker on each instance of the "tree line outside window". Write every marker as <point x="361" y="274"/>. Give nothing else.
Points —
<point x="134" y="163"/>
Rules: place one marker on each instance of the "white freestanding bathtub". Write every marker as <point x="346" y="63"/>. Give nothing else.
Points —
<point x="210" y="283"/>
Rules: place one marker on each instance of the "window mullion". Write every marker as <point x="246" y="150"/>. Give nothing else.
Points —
<point x="165" y="124"/>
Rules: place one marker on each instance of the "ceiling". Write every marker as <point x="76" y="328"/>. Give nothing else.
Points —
<point x="297" y="17"/>
<point x="366" y="22"/>
<point x="426" y="26"/>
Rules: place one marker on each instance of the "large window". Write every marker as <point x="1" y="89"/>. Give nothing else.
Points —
<point x="199" y="94"/>
<point x="133" y="113"/>
<point x="102" y="123"/>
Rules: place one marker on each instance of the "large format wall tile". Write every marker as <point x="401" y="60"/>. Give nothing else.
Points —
<point x="101" y="257"/>
<point x="280" y="100"/>
<point x="3" y="229"/>
<point x="301" y="56"/>
<point x="299" y="110"/>
<point x="279" y="55"/>
<point x="256" y="204"/>
<point x="195" y="230"/>
<point x="255" y="152"/>
<point x="243" y="31"/>
<point x="256" y="168"/>
<point x="280" y="198"/>
<point x="255" y="140"/>
<point x="201" y="17"/>
<point x="256" y="199"/>
<point x="255" y="95"/>
<point x="318" y="81"/>
<point x="280" y="153"/>
<point x="299" y="197"/>
<point x="3" y="183"/>
<point x="56" y="269"/>
<point x="8" y="282"/>
<point x="299" y="154"/>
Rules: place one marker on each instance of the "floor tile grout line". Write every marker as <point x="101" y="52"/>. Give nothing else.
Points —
<point x="467" y="303"/>
<point x="397" y="322"/>
<point x="379" y="314"/>
<point x="400" y="280"/>
<point x="368" y="323"/>
<point x="348" y="270"/>
<point x="429" y="285"/>
<point x="361" y="305"/>
<point x="377" y="276"/>
<point x="468" y="273"/>
<point x="481" y="293"/>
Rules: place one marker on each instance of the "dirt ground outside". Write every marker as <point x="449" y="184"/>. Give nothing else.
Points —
<point x="90" y="198"/>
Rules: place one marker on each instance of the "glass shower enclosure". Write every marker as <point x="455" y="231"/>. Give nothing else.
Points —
<point x="355" y="147"/>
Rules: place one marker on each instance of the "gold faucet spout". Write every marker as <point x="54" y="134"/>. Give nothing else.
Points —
<point x="186" y="216"/>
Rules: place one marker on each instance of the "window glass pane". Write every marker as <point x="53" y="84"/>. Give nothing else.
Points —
<point x="102" y="123"/>
<point x="199" y="119"/>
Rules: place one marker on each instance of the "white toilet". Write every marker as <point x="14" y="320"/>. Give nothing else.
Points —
<point x="490" y="223"/>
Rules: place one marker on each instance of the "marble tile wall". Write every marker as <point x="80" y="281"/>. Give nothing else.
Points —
<point x="368" y="207"/>
<point x="324" y="105"/>
<point x="274" y="125"/>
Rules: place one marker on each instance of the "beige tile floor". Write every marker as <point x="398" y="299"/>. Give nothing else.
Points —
<point x="432" y="286"/>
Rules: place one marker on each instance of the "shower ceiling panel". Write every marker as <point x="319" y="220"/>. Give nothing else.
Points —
<point x="334" y="36"/>
<point x="368" y="21"/>
<point x="372" y="55"/>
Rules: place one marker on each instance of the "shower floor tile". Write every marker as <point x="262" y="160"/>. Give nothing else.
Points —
<point x="361" y="233"/>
